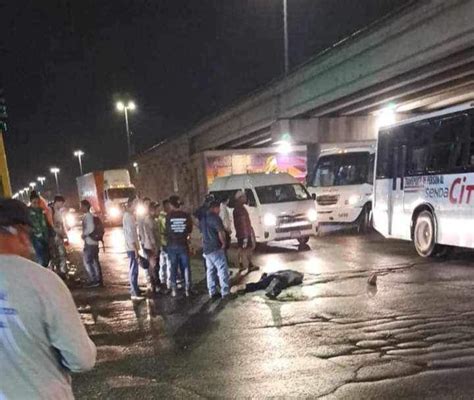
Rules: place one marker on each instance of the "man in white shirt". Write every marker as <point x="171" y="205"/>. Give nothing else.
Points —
<point x="42" y="339"/>
<point x="132" y="246"/>
<point x="224" y="214"/>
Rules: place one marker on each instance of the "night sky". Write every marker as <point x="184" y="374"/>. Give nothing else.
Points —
<point x="64" y="63"/>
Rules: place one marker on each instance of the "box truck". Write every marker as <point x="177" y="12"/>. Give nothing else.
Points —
<point x="106" y="191"/>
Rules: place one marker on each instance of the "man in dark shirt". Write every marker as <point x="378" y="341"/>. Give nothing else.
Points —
<point x="178" y="228"/>
<point x="214" y="245"/>
<point x="244" y="232"/>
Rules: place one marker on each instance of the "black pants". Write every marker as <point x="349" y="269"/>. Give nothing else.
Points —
<point x="275" y="283"/>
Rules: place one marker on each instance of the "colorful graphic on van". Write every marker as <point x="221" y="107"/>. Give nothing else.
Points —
<point x="224" y="165"/>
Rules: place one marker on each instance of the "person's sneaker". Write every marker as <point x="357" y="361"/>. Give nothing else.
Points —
<point x="187" y="293"/>
<point x="137" y="298"/>
<point x="174" y="292"/>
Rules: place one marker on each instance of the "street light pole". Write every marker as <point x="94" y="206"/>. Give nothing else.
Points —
<point x="128" y="133"/>
<point x="79" y="154"/>
<point x="122" y="107"/>
<point x="41" y="179"/>
<point x="285" y="35"/>
<point x="55" y="171"/>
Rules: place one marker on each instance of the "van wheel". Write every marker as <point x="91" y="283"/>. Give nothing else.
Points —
<point x="303" y="240"/>
<point x="424" y="235"/>
<point x="364" y="222"/>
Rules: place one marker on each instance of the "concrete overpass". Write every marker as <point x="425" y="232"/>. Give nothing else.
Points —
<point x="419" y="59"/>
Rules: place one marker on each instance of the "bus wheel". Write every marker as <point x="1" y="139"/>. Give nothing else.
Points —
<point x="364" y="222"/>
<point x="424" y="234"/>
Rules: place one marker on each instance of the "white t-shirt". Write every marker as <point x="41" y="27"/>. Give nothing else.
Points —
<point x="130" y="234"/>
<point x="42" y="338"/>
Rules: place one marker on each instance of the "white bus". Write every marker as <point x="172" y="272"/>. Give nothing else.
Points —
<point x="343" y="184"/>
<point x="425" y="179"/>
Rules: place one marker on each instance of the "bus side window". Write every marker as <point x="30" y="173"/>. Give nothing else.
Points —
<point x="384" y="155"/>
<point x="470" y="144"/>
<point x="370" y="173"/>
<point x="419" y="135"/>
<point x="449" y="138"/>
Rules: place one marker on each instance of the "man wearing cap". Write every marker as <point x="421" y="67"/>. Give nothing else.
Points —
<point x="42" y="338"/>
<point x="244" y="232"/>
<point x="179" y="226"/>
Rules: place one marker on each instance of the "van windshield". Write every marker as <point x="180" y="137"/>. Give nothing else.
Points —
<point x="121" y="193"/>
<point x="282" y="193"/>
<point x="343" y="169"/>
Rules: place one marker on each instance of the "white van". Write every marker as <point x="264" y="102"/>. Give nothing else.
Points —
<point x="343" y="184"/>
<point x="279" y="206"/>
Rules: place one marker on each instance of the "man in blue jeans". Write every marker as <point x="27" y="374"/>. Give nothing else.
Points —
<point x="178" y="228"/>
<point x="130" y="234"/>
<point x="91" y="247"/>
<point x="214" y="246"/>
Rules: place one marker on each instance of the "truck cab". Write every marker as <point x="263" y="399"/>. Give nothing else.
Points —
<point x="342" y="183"/>
<point x="107" y="191"/>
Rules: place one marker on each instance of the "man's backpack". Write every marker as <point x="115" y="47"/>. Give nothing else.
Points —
<point x="99" y="230"/>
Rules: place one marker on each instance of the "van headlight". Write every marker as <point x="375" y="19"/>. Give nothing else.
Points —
<point x="70" y="220"/>
<point x="141" y="210"/>
<point x="312" y="215"/>
<point x="269" y="219"/>
<point x="114" y="212"/>
<point x="354" y="199"/>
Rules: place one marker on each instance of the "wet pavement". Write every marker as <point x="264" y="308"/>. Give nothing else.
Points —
<point x="410" y="336"/>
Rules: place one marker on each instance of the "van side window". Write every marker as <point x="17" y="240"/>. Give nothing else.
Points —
<point x="251" y="202"/>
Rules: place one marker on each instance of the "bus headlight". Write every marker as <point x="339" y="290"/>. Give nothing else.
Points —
<point x="354" y="199"/>
<point x="269" y="220"/>
<point x="114" y="212"/>
<point x="312" y="215"/>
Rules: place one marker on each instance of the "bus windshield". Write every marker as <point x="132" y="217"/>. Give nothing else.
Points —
<point x="343" y="169"/>
<point x="282" y="193"/>
<point x="121" y="193"/>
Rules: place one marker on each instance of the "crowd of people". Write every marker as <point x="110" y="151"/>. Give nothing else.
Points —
<point x="159" y="241"/>
<point x="157" y="238"/>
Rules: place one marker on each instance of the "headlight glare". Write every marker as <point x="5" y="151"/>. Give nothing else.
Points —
<point x="312" y="215"/>
<point x="269" y="219"/>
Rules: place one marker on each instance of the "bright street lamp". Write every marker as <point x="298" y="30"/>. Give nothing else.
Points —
<point x="32" y="185"/>
<point x="41" y="180"/>
<point x="79" y="154"/>
<point x="55" y="171"/>
<point x="125" y="108"/>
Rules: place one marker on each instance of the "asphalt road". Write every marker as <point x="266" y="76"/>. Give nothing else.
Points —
<point x="335" y="337"/>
